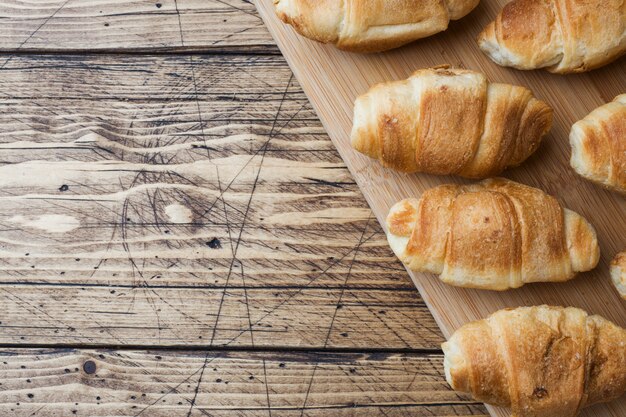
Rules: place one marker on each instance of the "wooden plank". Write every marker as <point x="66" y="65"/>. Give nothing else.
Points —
<point x="258" y="83"/>
<point x="149" y="315"/>
<point x="136" y="25"/>
<point x="171" y="217"/>
<point x="332" y="79"/>
<point x="164" y="383"/>
<point x="88" y="138"/>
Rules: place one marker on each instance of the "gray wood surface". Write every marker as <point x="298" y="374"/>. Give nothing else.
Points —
<point x="192" y="383"/>
<point x="135" y="25"/>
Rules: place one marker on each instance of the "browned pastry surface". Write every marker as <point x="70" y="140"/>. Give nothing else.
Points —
<point x="370" y="25"/>
<point x="496" y="235"/>
<point x="449" y="121"/>
<point x="539" y="361"/>
<point x="563" y="36"/>
<point x="618" y="273"/>
<point x="599" y="145"/>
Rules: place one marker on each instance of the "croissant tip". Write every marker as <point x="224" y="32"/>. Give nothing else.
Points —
<point x="362" y="138"/>
<point x="618" y="273"/>
<point x="455" y="366"/>
<point x="400" y="224"/>
<point x="488" y="43"/>
<point x="487" y="34"/>
<point x="579" y="157"/>
<point x="281" y="10"/>
<point x="363" y="143"/>
<point x="401" y="218"/>
<point x="357" y="141"/>
<point x="591" y="157"/>
<point x="582" y="242"/>
<point x="445" y="347"/>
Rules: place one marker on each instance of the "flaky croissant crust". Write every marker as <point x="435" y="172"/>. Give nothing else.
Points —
<point x="599" y="145"/>
<point x="618" y="273"/>
<point x="370" y="25"/>
<point x="563" y="36"/>
<point x="496" y="235"/>
<point x="539" y="361"/>
<point x="449" y="121"/>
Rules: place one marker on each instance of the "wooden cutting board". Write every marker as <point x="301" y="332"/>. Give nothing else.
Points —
<point x="332" y="80"/>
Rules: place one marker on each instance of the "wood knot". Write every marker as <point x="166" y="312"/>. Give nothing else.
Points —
<point x="89" y="367"/>
<point x="214" y="243"/>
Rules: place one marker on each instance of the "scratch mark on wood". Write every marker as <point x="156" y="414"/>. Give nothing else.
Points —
<point x="197" y="388"/>
<point x="345" y="282"/>
<point x="34" y="32"/>
<point x="180" y="25"/>
<point x="267" y="389"/>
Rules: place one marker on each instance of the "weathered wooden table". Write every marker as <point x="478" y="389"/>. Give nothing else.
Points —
<point x="178" y="236"/>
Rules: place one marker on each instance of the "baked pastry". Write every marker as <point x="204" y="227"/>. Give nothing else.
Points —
<point x="371" y="25"/>
<point x="493" y="235"/>
<point x="449" y="121"/>
<point x="538" y="361"/>
<point x="563" y="36"/>
<point x="618" y="273"/>
<point x="599" y="145"/>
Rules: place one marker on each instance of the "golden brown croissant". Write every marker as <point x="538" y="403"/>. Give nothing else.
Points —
<point x="449" y="121"/>
<point x="539" y="361"/>
<point x="563" y="36"/>
<point x="493" y="235"/>
<point x="599" y="145"/>
<point x="618" y="273"/>
<point x="371" y="25"/>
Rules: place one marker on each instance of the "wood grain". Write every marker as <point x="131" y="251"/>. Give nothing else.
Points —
<point x="232" y="317"/>
<point x="192" y="383"/>
<point x="146" y="209"/>
<point x="136" y="25"/>
<point x="135" y="174"/>
<point x="332" y="80"/>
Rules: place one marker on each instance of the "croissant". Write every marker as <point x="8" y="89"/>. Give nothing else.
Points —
<point x="599" y="145"/>
<point x="371" y="25"/>
<point x="563" y="36"/>
<point x="539" y="361"/>
<point x="618" y="273"/>
<point x="449" y="121"/>
<point x="493" y="235"/>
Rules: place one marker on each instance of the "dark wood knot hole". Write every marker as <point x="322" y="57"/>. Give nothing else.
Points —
<point x="89" y="367"/>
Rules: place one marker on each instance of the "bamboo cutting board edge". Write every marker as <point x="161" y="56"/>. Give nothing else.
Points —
<point x="321" y="70"/>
